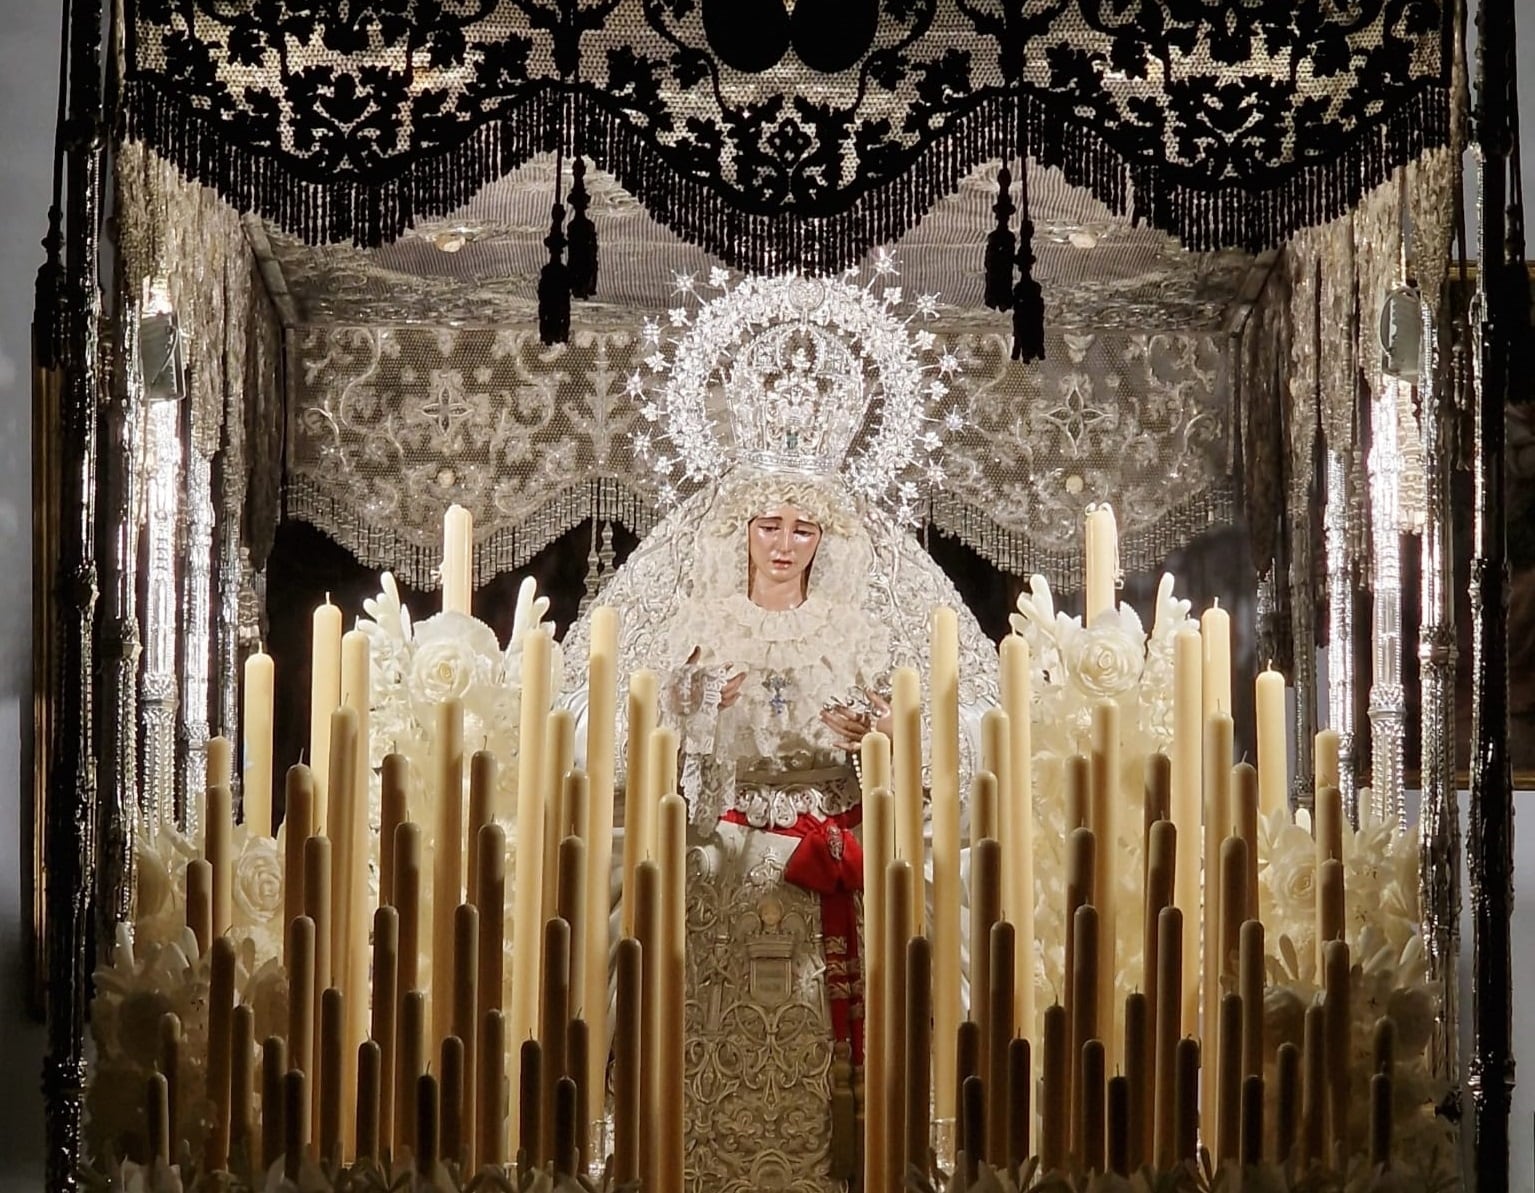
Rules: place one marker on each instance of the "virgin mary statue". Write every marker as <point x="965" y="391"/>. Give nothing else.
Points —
<point x="774" y="603"/>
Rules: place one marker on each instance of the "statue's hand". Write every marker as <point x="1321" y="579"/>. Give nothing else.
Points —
<point x="731" y="692"/>
<point x="882" y="718"/>
<point x="848" y="726"/>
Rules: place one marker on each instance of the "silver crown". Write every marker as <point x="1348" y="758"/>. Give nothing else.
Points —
<point x="794" y="374"/>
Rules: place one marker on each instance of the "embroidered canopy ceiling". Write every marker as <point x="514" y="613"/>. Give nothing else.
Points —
<point x="775" y="133"/>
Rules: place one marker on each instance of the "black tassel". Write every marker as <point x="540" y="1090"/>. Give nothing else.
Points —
<point x="583" y="237"/>
<point x="1028" y="298"/>
<point x="1000" y="247"/>
<point x="554" y="284"/>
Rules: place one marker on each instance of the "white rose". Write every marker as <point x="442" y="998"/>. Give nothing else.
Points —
<point x="1106" y="660"/>
<point x="453" y="654"/>
<point x="258" y="890"/>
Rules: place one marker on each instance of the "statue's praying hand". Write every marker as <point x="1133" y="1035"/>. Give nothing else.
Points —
<point x="852" y="725"/>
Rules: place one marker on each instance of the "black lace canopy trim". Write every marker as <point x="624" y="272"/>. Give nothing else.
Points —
<point x="778" y="137"/>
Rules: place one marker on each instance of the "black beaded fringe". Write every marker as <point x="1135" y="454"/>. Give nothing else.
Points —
<point x="370" y="213"/>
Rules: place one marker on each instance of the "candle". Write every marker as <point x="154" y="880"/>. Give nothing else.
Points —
<point x="457" y="559"/>
<point x="577" y="1062"/>
<point x="672" y="1045"/>
<point x="1287" y="1112"/>
<point x="1336" y="1007"/>
<point x="1137" y="1070"/>
<point x="1169" y="1025"/>
<point x="491" y="1100"/>
<point x="385" y="1021"/>
<point x="528" y="892"/>
<point x="295" y="1097"/>
<point x="944" y="717"/>
<point x="559" y="761"/>
<point x="879" y="852"/>
<point x="1186" y="1101"/>
<point x="450" y="1086"/>
<point x="482" y="810"/>
<point x="577" y="807"/>
<point x="219" y="759"/>
<point x="638" y="798"/>
<point x="1055" y="1103"/>
<point x="298" y="827"/>
<point x="874" y="762"/>
<point x="221" y="1001"/>
<point x="1090" y="1108"/>
<point x="466" y="1022"/>
<point x="985" y="912"/>
<point x="1161" y="873"/>
<point x="448" y="856"/>
<point x="529" y="1102"/>
<point x="317" y="893"/>
<point x="918" y="1048"/>
<point x="427" y="1122"/>
<point x="347" y="825"/>
<point x="906" y="767"/>
<point x="394" y="810"/>
<point x="332" y="1035"/>
<point x="1081" y="861"/>
<point x="1273" y="743"/>
<point x="274" y="1063"/>
<point x="1250" y="1147"/>
<point x="158" y="1116"/>
<point x="1084" y="1007"/>
<point x="1250" y="985"/>
<point x="984" y="813"/>
<point x="1217" y="815"/>
<point x="1314" y="1086"/>
<point x="407" y="901"/>
<point x="967" y="1055"/>
<point x="898" y="879"/>
<point x="1102" y="538"/>
<point x="301" y="999"/>
<point x="553" y="1023"/>
<point x="1188" y="802"/>
<point x="1018" y="819"/>
<point x="369" y="1095"/>
<point x="200" y="903"/>
<point x="972" y="1103"/>
<point x="1326" y="770"/>
<point x="1215" y="631"/>
<point x="565" y="1148"/>
<point x="1120" y="1127"/>
<point x="647" y="922"/>
<point x="412" y="1060"/>
<point x="490" y="901"/>
<point x="1228" y="1089"/>
<point x="1020" y="1103"/>
<point x="1383" y="1046"/>
<point x="1329" y="907"/>
<point x="1079" y="793"/>
<point x="1244" y="824"/>
<point x="324" y="696"/>
<point x="218" y="848"/>
<point x="1233" y="904"/>
<point x="1328" y="824"/>
<point x="1106" y="799"/>
<point x="601" y="725"/>
<point x="241" y="1079"/>
<point x="256" y="752"/>
<point x="1157" y="793"/>
<point x="998" y="1039"/>
<point x="627" y="1063"/>
<point x="1380" y="1121"/>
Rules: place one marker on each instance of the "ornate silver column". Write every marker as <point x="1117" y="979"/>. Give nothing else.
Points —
<point x="1388" y="703"/>
<point x="196" y="624"/>
<point x="1340" y="626"/>
<point x="159" y="696"/>
<point x="1439" y="818"/>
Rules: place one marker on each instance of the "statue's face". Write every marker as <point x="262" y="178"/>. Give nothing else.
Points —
<point x="782" y="544"/>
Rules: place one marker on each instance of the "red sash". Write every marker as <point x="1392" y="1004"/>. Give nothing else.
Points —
<point x="828" y="861"/>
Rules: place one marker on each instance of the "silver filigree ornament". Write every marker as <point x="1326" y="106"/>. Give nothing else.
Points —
<point x="795" y="374"/>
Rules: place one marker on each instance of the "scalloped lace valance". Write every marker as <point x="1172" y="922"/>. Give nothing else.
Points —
<point x="774" y="133"/>
<point x="391" y="425"/>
